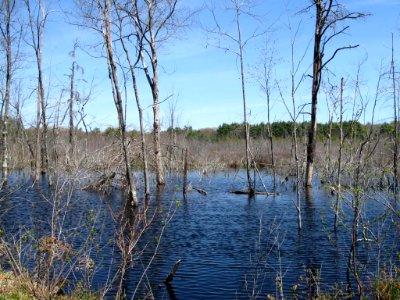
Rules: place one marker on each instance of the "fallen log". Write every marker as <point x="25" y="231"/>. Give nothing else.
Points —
<point x="245" y="192"/>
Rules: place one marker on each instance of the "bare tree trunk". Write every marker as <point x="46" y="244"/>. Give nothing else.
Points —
<point x="329" y="142"/>
<point x="105" y="11"/>
<point x="316" y="78"/>
<point x="246" y="124"/>
<point x="296" y="151"/>
<point x="339" y="170"/>
<point x="155" y="92"/>
<point x="172" y="138"/>
<point x="356" y="219"/>
<point x="329" y="14"/>
<point x="271" y="141"/>
<point x="71" y="109"/>
<point x="395" y="132"/>
<point x="185" y="173"/>
<point x="37" y="24"/>
<point x="139" y="108"/>
<point x="38" y="161"/>
<point x="7" y="36"/>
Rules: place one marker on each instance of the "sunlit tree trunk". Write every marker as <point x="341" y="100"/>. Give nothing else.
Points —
<point x="37" y="24"/>
<point x="246" y="124"/>
<point x="155" y="92"/>
<point x="139" y="108"/>
<point x="104" y="9"/>
<point x="328" y="15"/>
<point x="316" y="80"/>
<point x="7" y="38"/>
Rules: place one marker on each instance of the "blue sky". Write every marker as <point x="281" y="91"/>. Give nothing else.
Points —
<point x="204" y="81"/>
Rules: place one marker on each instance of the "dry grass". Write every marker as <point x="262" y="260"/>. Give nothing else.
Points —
<point x="21" y="288"/>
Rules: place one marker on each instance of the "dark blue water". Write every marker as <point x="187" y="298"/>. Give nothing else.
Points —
<point x="230" y="245"/>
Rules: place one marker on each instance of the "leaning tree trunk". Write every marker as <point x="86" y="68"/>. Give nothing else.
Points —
<point x="140" y="112"/>
<point x="132" y="195"/>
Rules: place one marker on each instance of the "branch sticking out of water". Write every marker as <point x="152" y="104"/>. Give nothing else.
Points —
<point x="171" y="274"/>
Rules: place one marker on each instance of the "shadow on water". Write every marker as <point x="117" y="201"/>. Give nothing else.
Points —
<point x="220" y="238"/>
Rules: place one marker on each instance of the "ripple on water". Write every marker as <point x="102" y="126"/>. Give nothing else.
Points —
<point x="218" y="237"/>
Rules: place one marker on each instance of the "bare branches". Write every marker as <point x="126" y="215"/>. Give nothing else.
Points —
<point x="329" y="14"/>
<point x="334" y="54"/>
<point x="227" y="40"/>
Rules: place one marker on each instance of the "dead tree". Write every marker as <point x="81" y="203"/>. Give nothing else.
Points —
<point x="237" y="47"/>
<point x="295" y="111"/>
<point x="339" y="163"/>
<point x="150" y="21"/>
<point x="5" y="27"/>
<point x="71" y="106"/>
<point x="37" y="22"/>
<point x="396" y="127"/>
<point x="132" y="71"/>
<point x="266" y="83"/>
<point x="97" y="15"/>
<point x="329" y="14"/>
<point x="359" y="186"/>
<point x="104" y="9"/>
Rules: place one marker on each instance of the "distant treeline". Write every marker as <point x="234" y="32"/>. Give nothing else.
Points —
<point x="282" y="129"/>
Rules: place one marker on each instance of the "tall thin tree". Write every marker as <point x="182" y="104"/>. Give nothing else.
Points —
<point x="37" y="23"/>
<point x="339" y="163"/>
<point x="71" y="138"/>
<point x="396" y="127"/>
<point x="8" y="7"/>
<point x="151" y="19"/>
<point x="132" y="71"/>
<point x="239" y="42"/>
<point x="104" y="7"/>
<point x="329" y="14"/>
<point x="266" y="83"/>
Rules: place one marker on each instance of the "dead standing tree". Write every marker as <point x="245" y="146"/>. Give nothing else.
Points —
<point x="329" y="15"/>
<point x="7" y="7"/>
<point x="295" y="110"/>
<point x="153" y="21"/>
<point x="104" y="9"/>
<point x="133" y="65"/>
<point x="396" y="127"/>
<point x="239" y="43"/>
<point x="37" y="22"/>
<point x="71" y="99"/>
<point x="266" y="83"/>
<point x="97" y="15"/>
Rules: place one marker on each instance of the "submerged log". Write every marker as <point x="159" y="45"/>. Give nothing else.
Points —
<point x="201" y="191"/>
<point x="251" y="193"/>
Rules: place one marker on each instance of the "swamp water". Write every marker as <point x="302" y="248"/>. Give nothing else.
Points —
<point x="228" y="244"/>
